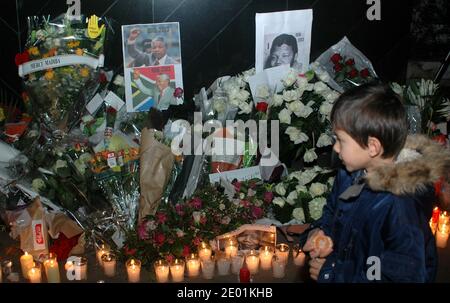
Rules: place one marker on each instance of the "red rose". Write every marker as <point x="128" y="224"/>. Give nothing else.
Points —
<point x="350" y="62"/>
<point x="336" y="58"/>
<point x="353" y="73"/>
<point x="197" y="241"/>
<point x="262" y="106"/>
<point x="441" y="139"/>
<point x="186" y="251"/>
<point x="364" y="73"/>
<point x="337" y="67"/>
<point x="111" y="110"/>
<point x="130" y="252"/>
<point x="21" y="58"/>
<point x="178" y="93"/>
<point x="102" y="78"/>
<point x="159" y="239"/>
<point x="161" y="218"/>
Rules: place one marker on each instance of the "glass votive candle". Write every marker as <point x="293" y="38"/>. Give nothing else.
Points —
<point x="52" y="268"/>
<point x="223" y="265"/>
<point x="76" y="268"/>
<point x="282" y="252"/>
<point x="265" y="257"/>
<point x="162" y="271"/>
<point x="193" y="265"/>
<point x="231" y="247"/>
<point x="177" y="270"/>
<point x="133" y="270"/>
<point x="236" y="262"/>
<point x="204" y="251"/>
<point x="208" y="266"/>
<point x="6" y="267"/>
<point x="278" y="267"/>
<point x="34" y="274"/>
<point x="101" y="250"/>
<point x="109" y="264"/>
<point x="252" y="261"/>
<point x="299" y="255"/>
<point x="442" y="234"/>
<point x="444" y="218"/>
<point x="26" y="263"/>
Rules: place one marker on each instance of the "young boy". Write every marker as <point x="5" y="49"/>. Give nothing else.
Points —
<point x="376" y="219"/>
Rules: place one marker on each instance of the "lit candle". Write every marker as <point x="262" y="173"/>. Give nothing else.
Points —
<point x="444" y="218"/>
<point x="279" y="267"/>
<point x="81" y="267"/>
<point x="52" y="268"/>
<point x="204" y="251"/>
<point x="162" y="271"/>
<point x="109" y="264"/>
<point x="231" y="248"/>
<point x="299" y="256"/>
<point x="193" y="265"/>
<point x="100" y="252"/>
<point x="435" y="216"/>
<point x="177" y="270"/>
<point x="265" y="257"/>
<point x="282" y="252"/>
<point x="252" y="261"/>
<point x="223" y="265"/>
<point x="236" y="263"/>
<point x="134" y="270"/>
<point x="34" y="275"/>
<point x="433" y="226"/>
<point x="208" y="266"/>
<point x="442" y="236"/>
<point x="26" y="262"/>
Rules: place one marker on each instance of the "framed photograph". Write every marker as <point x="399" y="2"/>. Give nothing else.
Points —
<point x="249" y="236"/>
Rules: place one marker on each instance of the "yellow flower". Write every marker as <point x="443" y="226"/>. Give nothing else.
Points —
<point x="2" y="114"/>
<point x="73" y="44"/>
<point x="79" y="51"/>
<point x="49" y="74"/>
<point x="34" y="51"/>
<point x="84" y="72"/>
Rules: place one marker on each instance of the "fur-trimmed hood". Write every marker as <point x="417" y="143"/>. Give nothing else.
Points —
<point x="420" y="163"/>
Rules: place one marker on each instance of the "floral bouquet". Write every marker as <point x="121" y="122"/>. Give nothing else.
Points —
<point x="59" y="67"/>
<point x="301" y="196"/>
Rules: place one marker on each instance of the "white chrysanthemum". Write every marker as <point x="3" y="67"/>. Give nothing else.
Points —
<point x="219" y="106"/>
<point x="292" y="197"/>
<point x="290" y="78"/>
<point x="279" y="201"/>
<point x="298" y="214"/>
<point x="320" y="88"/>
<point x="317" y="189"/>
<point x="324" y="140"/>
<point x="285" y="116"/>
<point x="38" y="184"/>
<point x="263" y="91"/>
<point x="277" y="100"/>
<point x="316" y="207"/>
<point x="325" y="109"/>
<point x="310" y="155"/>
<point x="301" y="189"/>
<point x="280" y="189"/>
<point x="245" y="108"/>
<point x="295" y="135"/>
<point x="330" y="181"/>
<point x="290" y="95"/>
<point x="307" y="176"/>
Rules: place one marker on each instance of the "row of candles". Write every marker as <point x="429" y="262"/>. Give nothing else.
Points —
<point x="232" y="260"/>
<point x="440" y="226"/>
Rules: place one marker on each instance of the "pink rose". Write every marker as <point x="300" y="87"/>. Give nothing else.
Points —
<point x="257" y="212"/>
<point x="197" y="241"/>
<point x="196" y="203"/>
<point x="268" y="196"/>
<point x="142" y="231"/>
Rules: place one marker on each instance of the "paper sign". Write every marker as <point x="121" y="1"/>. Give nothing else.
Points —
<point x="113" y="100"/>
<point x="239" y="174"/>
<point x="94" y="104"/>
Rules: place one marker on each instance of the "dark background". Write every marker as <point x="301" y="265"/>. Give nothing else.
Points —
<point x="218" y="36"/>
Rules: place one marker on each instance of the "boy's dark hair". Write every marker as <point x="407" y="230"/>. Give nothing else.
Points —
<point x="372" y="109"/>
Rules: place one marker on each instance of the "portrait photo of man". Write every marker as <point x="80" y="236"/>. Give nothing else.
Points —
<point x="283" y="50"/>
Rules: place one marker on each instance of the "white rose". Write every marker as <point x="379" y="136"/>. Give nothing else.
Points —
<point x="325" y="108"/>
<point x="263" y="91"/>
<point x="119" y="80"/>
<point x="295" y="135"/>
<point x="307" y="176"/>
<point x="277" y="100"/>
<point x="330" y="181"/>
<point x="309" y="87"/>
<point x="322" y="75"/>
<point x="290" y="95"/>
<point x="316" y="207"/>
<point x="221" y="206"/>
<point x="279" y="201"/>
<point x="295" y="106"/>
<point x="285" y="116"/>
<point x="219" y="106"/>
<point x="331" y="96"/>
<point x="245" y="108"/>
<point x="317" y="189"/>
<point x="302" y="82"/>
<point x="310" y="156"/>
<point x="324" y="140"/>
<point x="38" y="184"/>
<point x="320" y="88"/>
<point x="196" y="215"/>
<point x="301" y="188"/>
<point x="280" y="189"/>
<point x="243" y="95"/>
<point x="290" y="78"/>
<point x="291" y="197"/>
<point x="304" y="112"/>
<point x="298" y="214"/>
<point x="295" y="175"/>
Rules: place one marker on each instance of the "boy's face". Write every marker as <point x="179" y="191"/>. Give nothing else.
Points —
<point x="353" y="156"/>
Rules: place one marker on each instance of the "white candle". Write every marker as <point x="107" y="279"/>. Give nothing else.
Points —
<point x="100" y="252"/>
<point x="162" y="271"/>
<point x="208" y="266"/>
<point x="282" y="252"/>
<point x="109" y="264"/>
<point x="265" y="257"/>
<point x="193" y="265"/>
<point x="231" y="247"/>
<point x="52" y="268"/>
<point x="236" y="263"/>
<point x="204" y="251"/>
<point x="441" y="239"/>
<point x="81" y="267"/>
<point x="299" y="257"/>
<point x="134" y="270"/>
<point x="252" y="261"/>
<point x="444" y="218"/>
<point x="223" y="266"/>
<point x="34" y="275"/>
<point x="177" y="270"/>
<point x="26" y="262"/>
<point x="279" y="267"/>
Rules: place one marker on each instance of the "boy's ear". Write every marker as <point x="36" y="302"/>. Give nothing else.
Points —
<point x="375" y="147"/>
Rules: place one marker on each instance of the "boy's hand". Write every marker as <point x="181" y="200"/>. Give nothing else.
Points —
<point x="318" y="244"/>
<point x="315" y="265"/>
